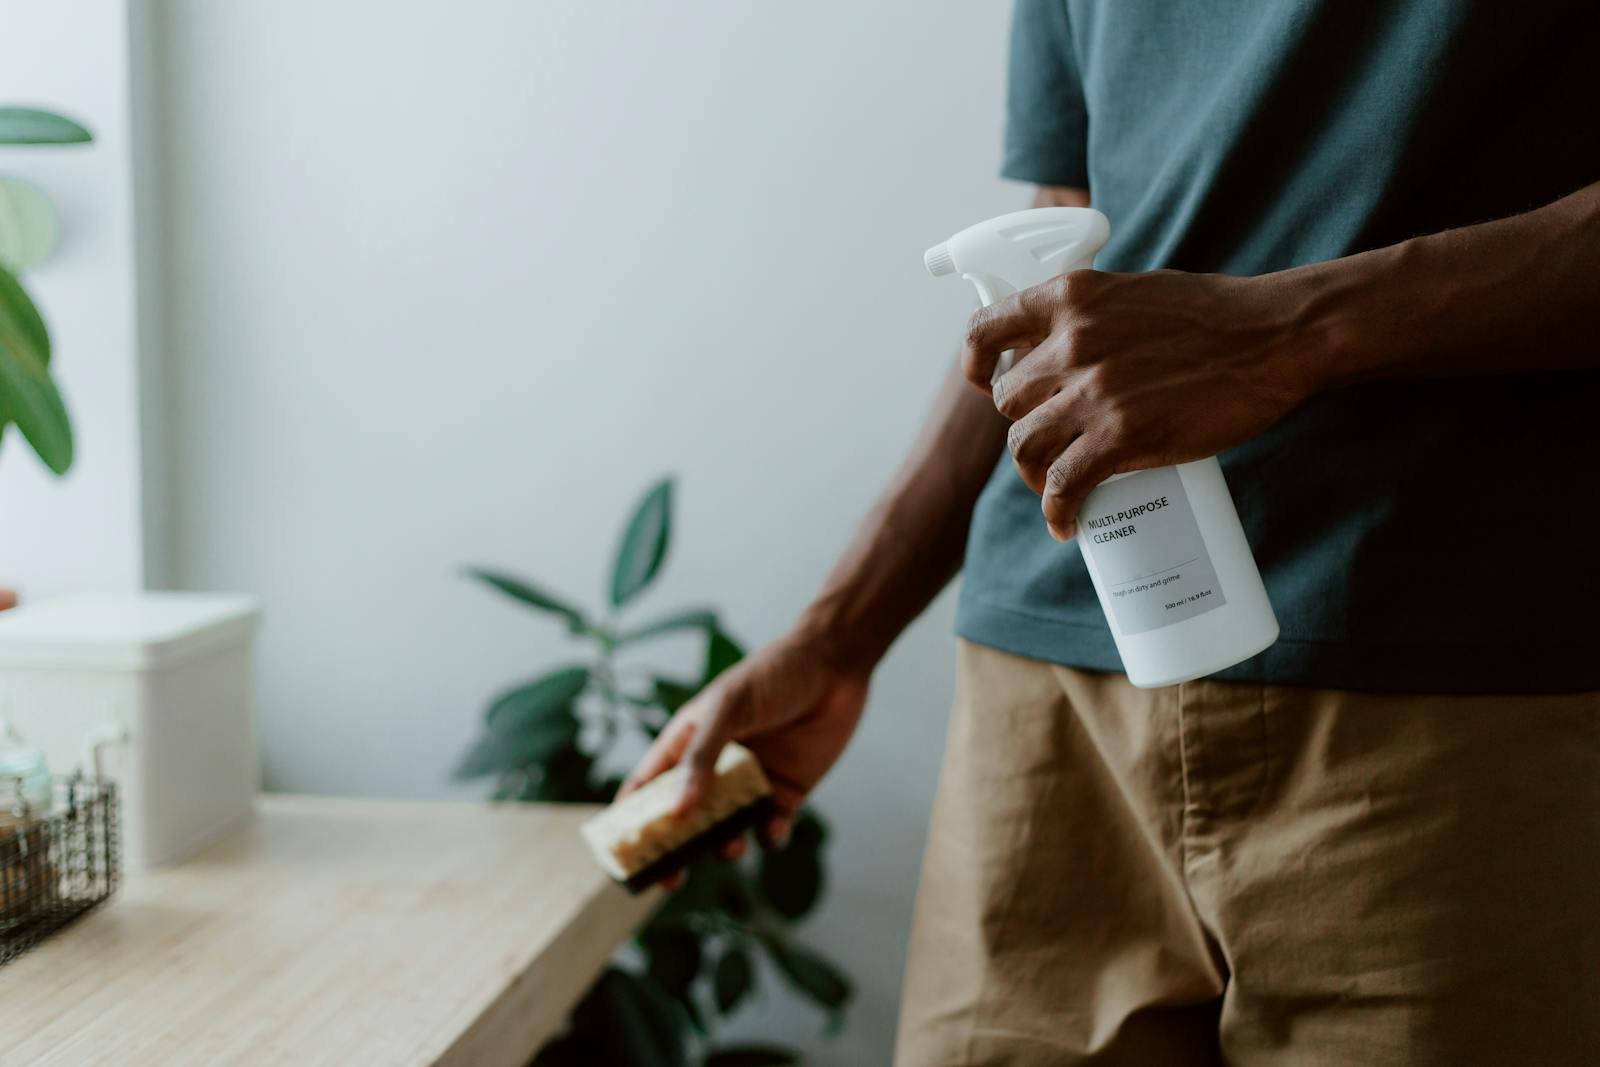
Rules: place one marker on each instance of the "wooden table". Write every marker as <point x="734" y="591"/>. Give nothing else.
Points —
<point x="336" y="932"/>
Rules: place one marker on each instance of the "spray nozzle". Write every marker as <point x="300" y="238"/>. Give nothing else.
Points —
<point x="939" y="261"/>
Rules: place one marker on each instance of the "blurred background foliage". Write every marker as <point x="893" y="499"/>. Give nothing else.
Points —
<point x="28" y="394"/>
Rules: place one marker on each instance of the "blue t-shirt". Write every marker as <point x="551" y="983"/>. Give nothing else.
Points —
<point x="1434" y="535"/>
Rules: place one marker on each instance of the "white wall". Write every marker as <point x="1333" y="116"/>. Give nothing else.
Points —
<point x="85" y="530"/>
<point x="453" y="281"/>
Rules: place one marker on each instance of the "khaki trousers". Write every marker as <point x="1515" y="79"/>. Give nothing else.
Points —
<point x="1245" y="874"/>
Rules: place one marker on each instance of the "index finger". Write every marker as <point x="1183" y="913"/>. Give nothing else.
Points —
<point x="662" y="755"/>
<point x="1021" y="320"/>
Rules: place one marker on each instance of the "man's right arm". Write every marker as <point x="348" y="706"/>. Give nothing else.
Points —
<point x="912" y="542"/>
<point x="795" y="703"/>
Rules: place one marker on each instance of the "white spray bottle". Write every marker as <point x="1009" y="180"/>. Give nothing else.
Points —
<point x="1164" y="547"/>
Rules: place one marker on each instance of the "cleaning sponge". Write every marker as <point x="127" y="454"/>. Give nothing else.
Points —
<point x="638" y="839"/>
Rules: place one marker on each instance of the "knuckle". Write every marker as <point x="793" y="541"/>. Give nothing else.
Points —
<point x="1072" y="288"/>
<point x="1000" y="391"/>
<point x="1018" y="436"/>
<point x="1008" y="397"/>
<point x="978" y="329"/>
<point x="1085" y="282"/>
<point x="1119" y="426"/>
<point x="1088" y="338"/>
<point x="1120" y="420"/>
<point x="1098" y="381"/>
<point x="1082" y="336"/>
<point x="969" y="365"/>
<point x="1058" y="480"/>
<point x="1073" y="346"/>
<point x="1013" y="405"/>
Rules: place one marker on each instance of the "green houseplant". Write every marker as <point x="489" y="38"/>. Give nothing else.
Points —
<point x="28" y="394"/>
<point x="548" y="738"/>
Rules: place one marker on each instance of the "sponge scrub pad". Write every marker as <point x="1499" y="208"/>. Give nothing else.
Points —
<point x="638" y="839"/>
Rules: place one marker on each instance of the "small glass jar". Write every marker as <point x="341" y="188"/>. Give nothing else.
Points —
<point x="27" y="876"/>
<point x="24" y="774"/>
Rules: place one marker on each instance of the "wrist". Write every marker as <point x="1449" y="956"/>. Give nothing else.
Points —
<point x="847" y="646"/>
<point x="1304" y="327"/>
<point x="1354" y="320"/>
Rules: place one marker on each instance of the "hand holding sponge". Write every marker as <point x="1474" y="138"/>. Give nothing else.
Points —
<point x="639" y="839"/>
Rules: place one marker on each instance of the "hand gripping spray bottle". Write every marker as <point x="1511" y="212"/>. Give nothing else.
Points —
<point x="1164" y="548"/>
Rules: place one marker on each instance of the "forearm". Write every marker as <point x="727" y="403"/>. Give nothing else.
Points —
<point x="911" y="543"/>
<point x="1518" y="295"/>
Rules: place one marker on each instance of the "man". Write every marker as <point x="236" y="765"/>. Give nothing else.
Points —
<point x="1356" y="250"/>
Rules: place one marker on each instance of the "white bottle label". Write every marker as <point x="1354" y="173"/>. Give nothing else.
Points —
<point x="1153" y="565"/>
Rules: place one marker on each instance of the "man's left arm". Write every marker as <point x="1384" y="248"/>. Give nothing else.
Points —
<point x="1131" y="371"/>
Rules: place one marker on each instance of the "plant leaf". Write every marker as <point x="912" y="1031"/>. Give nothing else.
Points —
<point x="672" y="954"/>
<point x="29" y="125"/>
<point x="564" y="779"/>
<point x="689" y="619"/>
<point x="810" y="827"/>
<point x="752" y="1056"/>
<point x="523" y="590"/>
<point x="19" y="309"/>
<point x="27" y="225"/>
<point x="810" y="973"/>
<point x="631" y="1023"/>
<point x="524" y="707"/>
<point x="735" y="895"/>
<point x="722" y="652"/>
<point x="691" y="1010"/>
<point x="568" y="1050"/>
<point x="494" y="753"/>
<point x="673" y="695"/>
<point x="488" y="755"/>
<point x="791" y="877"/>
<point x="709" y="878"/>
<point x="28" y="396"/>
<point x="644" y="544"/>
<point x="732" y="979"/>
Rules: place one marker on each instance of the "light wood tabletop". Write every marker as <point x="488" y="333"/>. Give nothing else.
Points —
<point x="332" y="932"/>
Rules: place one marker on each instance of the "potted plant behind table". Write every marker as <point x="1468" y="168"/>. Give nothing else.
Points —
<point x="547" y="739"/>
<point x="29" y="398"/>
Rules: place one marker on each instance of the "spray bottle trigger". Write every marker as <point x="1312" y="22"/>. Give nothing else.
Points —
<point x="992" y="290"/>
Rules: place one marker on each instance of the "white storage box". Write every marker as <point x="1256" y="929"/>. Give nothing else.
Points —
<point x="161" y="681"/>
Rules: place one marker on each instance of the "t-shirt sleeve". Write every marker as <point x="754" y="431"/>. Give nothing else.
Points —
<point x="1047" y="124"/>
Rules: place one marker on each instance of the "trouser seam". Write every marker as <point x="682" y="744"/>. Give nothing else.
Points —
<point x="1189" y="763"/>
<point x="1265" y="725"/>
<point x="1001" y="923"/>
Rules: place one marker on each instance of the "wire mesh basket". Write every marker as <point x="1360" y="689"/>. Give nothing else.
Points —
<point x="55" y="864"/>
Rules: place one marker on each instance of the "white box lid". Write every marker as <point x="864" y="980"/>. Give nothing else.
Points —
<point x="129" y="631"/>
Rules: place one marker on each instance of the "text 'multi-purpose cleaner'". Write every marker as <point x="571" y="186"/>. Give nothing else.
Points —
<point x="1164" y="547"/>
